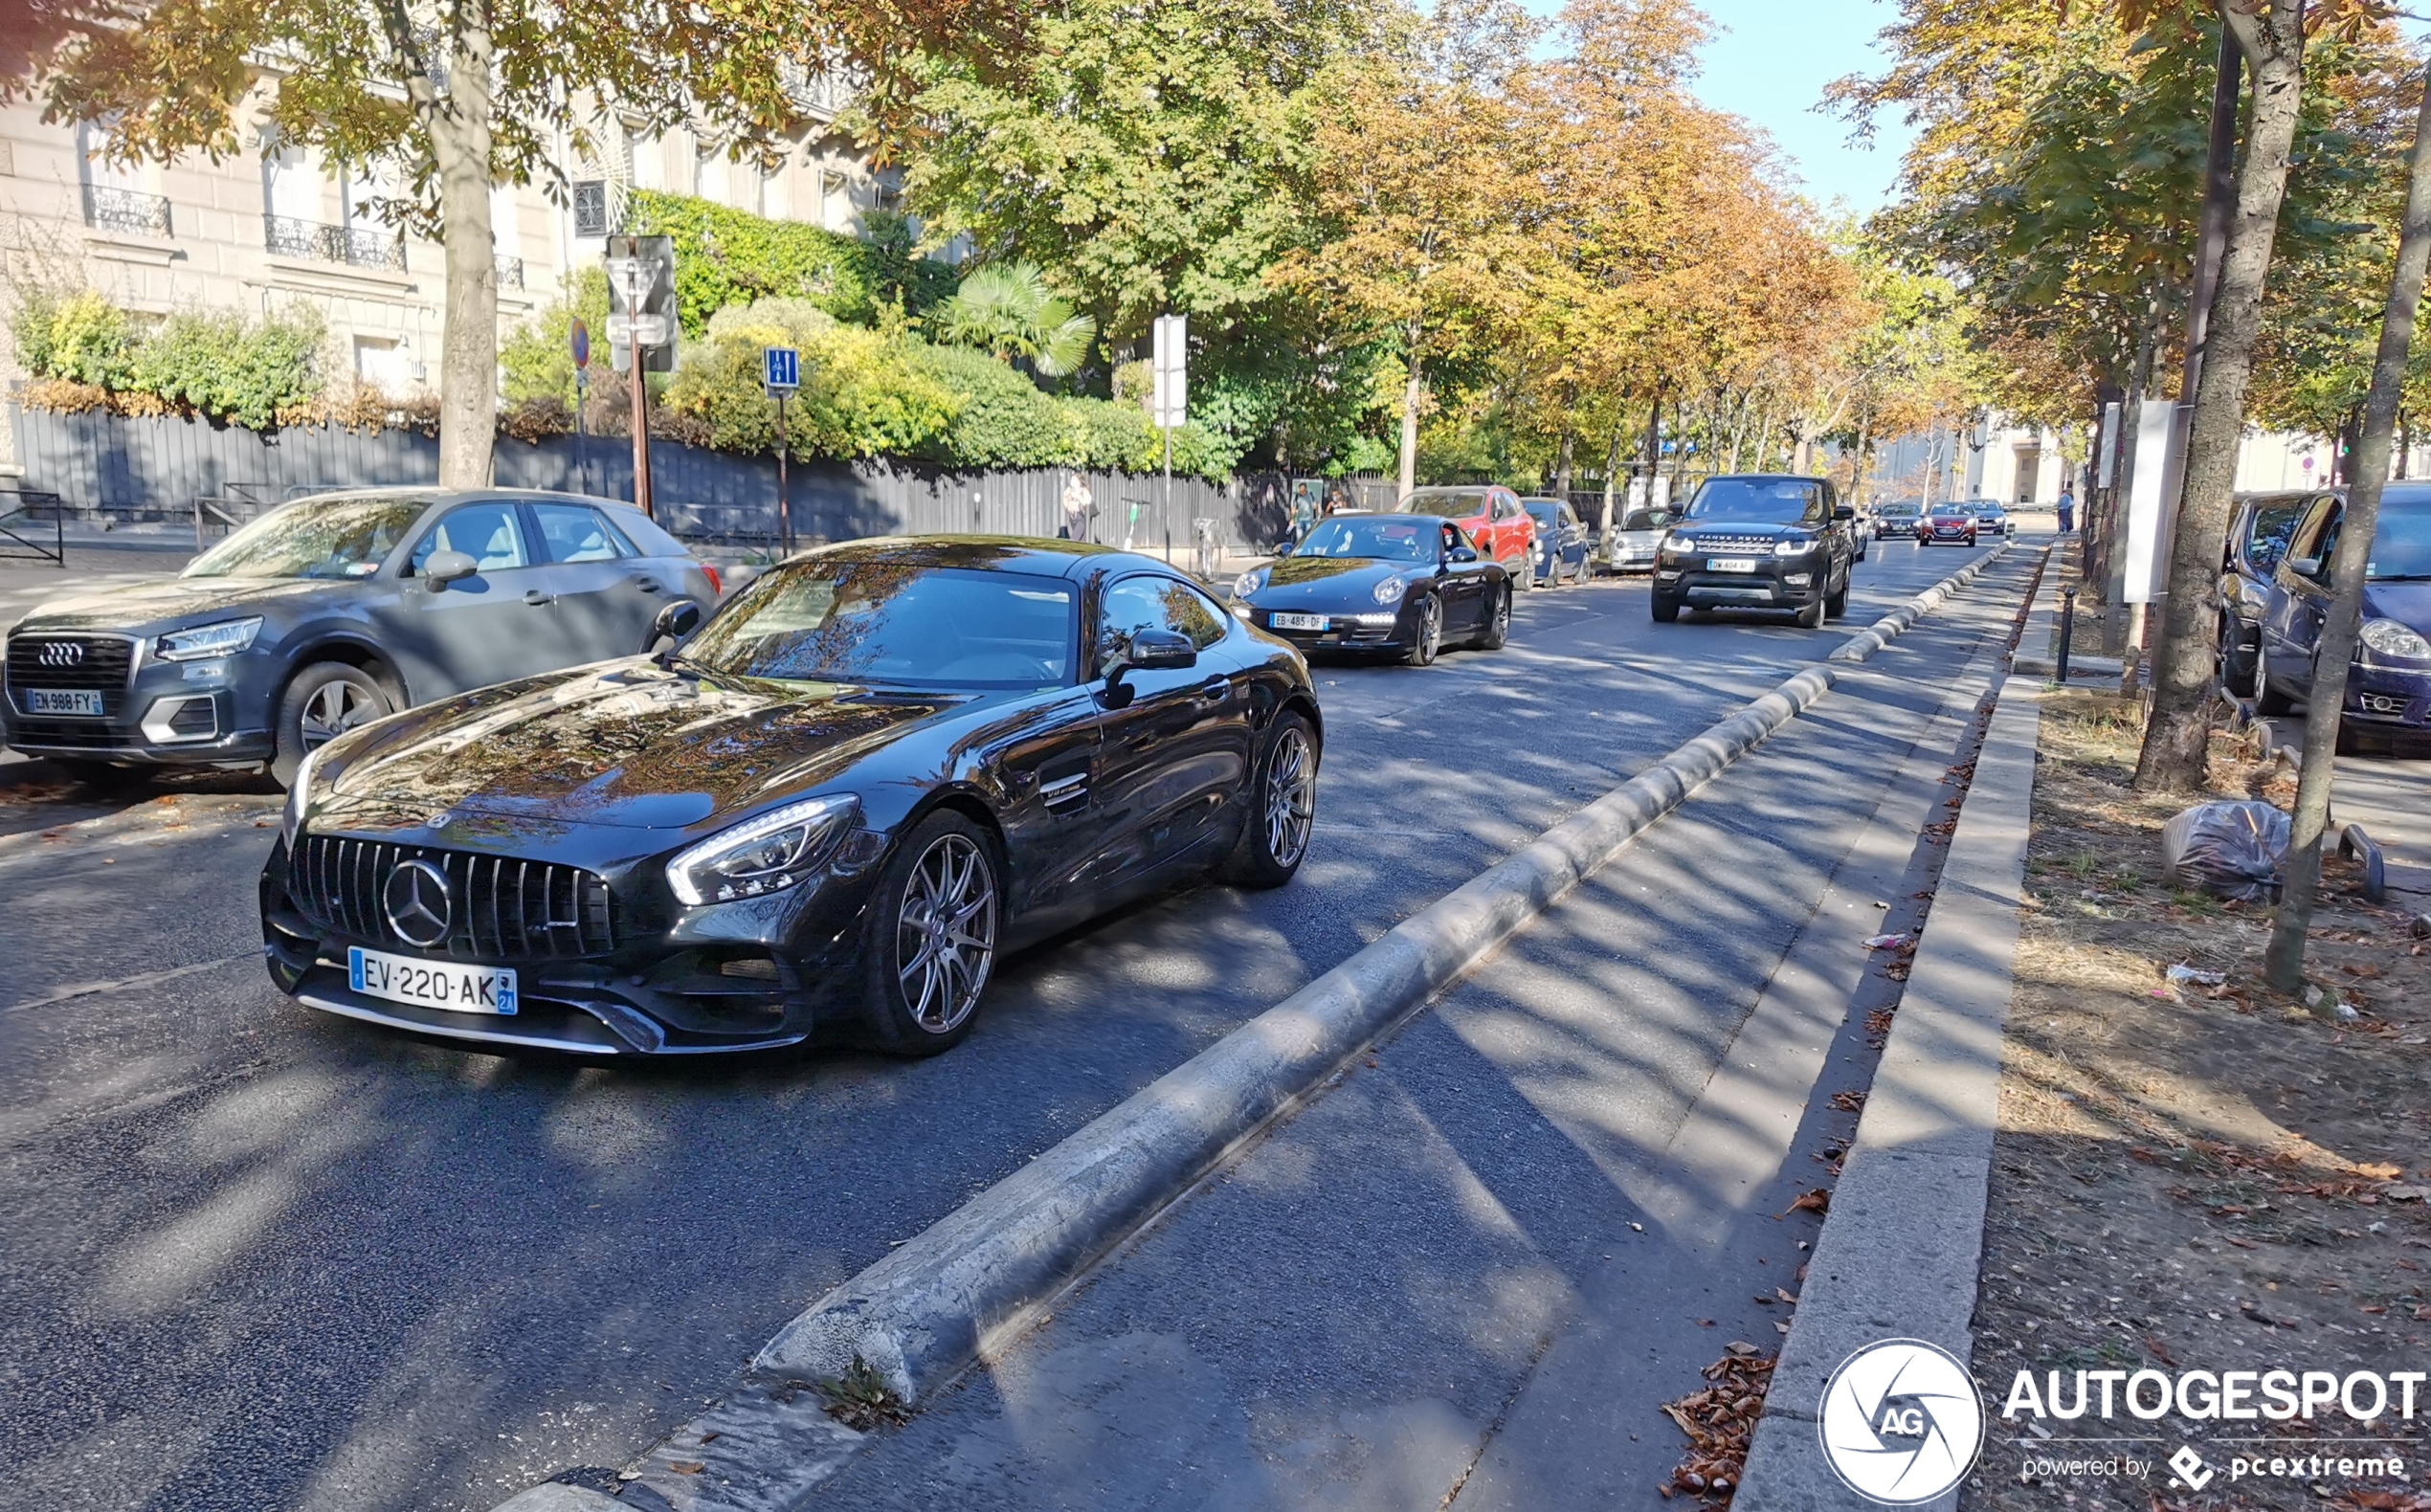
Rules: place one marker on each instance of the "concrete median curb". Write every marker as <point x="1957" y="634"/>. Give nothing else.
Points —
<point x="928" y="1310"/>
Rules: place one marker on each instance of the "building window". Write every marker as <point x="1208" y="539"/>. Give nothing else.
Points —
<point x="380" y="362"/>
<point x="591" y="206"/>
<point x="836" y="200"/>
<point x="709" y="173"/>
<point x="117" y="196"/>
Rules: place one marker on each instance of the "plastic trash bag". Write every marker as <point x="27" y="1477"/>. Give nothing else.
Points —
<point x="2230" y="850"/>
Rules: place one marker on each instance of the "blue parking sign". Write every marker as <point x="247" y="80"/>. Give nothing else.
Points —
<point x="784" y="368"/>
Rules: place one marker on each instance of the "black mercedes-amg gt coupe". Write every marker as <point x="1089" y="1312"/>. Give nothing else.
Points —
<point x="833" y="806"/>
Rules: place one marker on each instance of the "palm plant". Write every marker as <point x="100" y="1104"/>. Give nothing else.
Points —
<point x="1007" y="309"/>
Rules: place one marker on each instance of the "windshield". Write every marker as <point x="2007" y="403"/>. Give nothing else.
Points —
<point x="894" y="624"/>
<point x="2401" y="544"/>
<point x="1452" y="503"/>
<point x="1387" y="536"/>
<point x="1900" y="509"/>
<point x="316" y="538"/>
<point x="1540" y="510"/>
<point x="1767" y="500"/>
<point x="1647" y="520"/>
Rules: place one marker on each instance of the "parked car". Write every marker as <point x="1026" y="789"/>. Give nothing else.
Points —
<point x="1492" y="518"/>
<point x="1898" y="517"/>
<point x="335" y="609"/>
<point x="1757" y="541"/>
<point x="1380" y="584"/>
<point x="1637" y="538"/>
<point x="871" y="773"/>
<point x="2257" y="539"/>
<point x="2389" y="686"/>
<point x="1951" y="523"/>
<point x="1563" y="540"/>
<point x="1991" y="520"/>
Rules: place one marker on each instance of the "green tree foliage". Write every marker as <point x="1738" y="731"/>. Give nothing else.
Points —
<point x="1006" y="309"/>
<point x="536" y="360"/>
<point x="732" y="257"/>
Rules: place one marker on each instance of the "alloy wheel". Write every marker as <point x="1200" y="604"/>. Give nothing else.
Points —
<point x="946" y="933"/>
<point x="334" y="708"/>
<point x="1291" y="797"/>
<point x="1430" y="630"/>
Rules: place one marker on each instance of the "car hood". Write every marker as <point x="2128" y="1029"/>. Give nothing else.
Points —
<point x="623" y="744"/>
<point x="145" y="607"/>
<point x="2408" y="603"/>
<point x="1745" y="531"/>
<point x="1331" y="580"/>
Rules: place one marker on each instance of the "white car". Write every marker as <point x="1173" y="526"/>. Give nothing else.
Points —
<point x="1632" y="548"/>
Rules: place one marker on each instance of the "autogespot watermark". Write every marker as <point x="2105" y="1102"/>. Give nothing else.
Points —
<point x="1903" y="1422"/>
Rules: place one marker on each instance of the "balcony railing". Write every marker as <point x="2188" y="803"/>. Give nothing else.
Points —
<point x="510" y="272"/>
<point x="352" y="245"/>
<point x="132" y="210"/>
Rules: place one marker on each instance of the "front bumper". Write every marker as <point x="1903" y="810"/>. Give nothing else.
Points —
<point x="1370" y="630"/>
<point x="1776" y="582"/>
<point x="2387" y="705"/>
<point x="664" y="988"/>
<point x="154" y="712"/>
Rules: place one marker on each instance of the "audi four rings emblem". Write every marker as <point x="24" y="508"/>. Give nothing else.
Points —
<point x="60" y="653"/>
<point x="415" y="898"/>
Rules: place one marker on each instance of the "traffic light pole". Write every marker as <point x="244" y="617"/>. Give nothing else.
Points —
<point x="641" y="396"/>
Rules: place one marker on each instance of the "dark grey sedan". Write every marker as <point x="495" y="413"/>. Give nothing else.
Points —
<point x="333" y="611"/>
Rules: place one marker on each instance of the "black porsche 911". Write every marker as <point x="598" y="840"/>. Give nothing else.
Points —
<point x="833" y="807"/>
<point x="1399" y="584"/>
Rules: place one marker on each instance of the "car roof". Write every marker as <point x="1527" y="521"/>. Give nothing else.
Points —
<point x="1770" y="478"/>
<point x="1031" y="554"/>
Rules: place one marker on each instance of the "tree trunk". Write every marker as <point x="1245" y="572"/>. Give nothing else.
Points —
<point x="1612" y="465"/>
<point x="1410" y="432"/>
<point x="1561" y="467"/>
<point x="2284" y="962"/>
<point x="2177" y="742"/>
<point x="1654" y="445"/>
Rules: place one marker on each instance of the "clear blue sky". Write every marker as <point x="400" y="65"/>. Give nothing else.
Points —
<point x="1770" y="61"/>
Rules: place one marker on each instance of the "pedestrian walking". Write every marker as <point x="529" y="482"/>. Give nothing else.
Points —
<point x="1078" y="507"/>
<point x="2068" y="511"/>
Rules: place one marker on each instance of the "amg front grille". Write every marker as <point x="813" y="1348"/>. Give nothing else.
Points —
<point x="38" y="659"/>
<point x="499" y="908"/>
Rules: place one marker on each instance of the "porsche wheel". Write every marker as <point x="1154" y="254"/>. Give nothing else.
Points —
<point x="1429" y="639"/>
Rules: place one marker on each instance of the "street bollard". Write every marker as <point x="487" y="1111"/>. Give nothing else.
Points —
<point x="2067" y="632"/>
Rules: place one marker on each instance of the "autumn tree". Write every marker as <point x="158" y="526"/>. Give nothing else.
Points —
<point x="450" y="97"/>
<point x="1421" y="188"/>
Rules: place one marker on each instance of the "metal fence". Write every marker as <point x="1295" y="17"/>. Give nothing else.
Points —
<point x="130" y="469"/>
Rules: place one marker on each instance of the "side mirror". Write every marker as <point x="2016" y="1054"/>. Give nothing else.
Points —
<point x="1844" y="512"/>
<point x="2305" y="567"/>
<point x="677" y="621"/>
<point x="448" y="566"/>
<point x="1461" y="554"/>
<point x="1160" y="651"/>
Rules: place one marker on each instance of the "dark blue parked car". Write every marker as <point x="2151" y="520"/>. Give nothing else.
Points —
<point x="1561" y="542"/>
<point x="2257" y="539"/>
<point x="2389" y="688"/>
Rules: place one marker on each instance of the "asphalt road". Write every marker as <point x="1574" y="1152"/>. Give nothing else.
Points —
<point x="251" y="1258"/>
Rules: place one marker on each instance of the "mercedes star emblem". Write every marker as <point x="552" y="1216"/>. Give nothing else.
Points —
<point x="415" y="898"/>
<point x="62" y="654"/>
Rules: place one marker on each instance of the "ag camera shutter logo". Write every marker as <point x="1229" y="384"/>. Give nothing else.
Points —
<point x="1901" y="1423"/>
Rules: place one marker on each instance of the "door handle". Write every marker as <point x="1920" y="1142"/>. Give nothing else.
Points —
<point x="1216" y="690"/>
<point x="648" y="585"/>
<point x="536" y="598"/>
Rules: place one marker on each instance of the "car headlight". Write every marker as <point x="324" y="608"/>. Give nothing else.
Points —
<point x="1792" y="549"/>
<point x="222" y="639"/>
<point x="291" y="820"/>
<point x="1675" y="542"/>
<point x="1391" y="589"/>
<point x="1249" y="582"/>
<point x="765" y="855"/>
<point x="2388" y="639"/>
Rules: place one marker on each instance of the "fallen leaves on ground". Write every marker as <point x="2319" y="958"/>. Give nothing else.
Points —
<point x="1719" y="1421"/>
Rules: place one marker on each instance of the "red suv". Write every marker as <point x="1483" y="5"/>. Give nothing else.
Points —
<point x="1493" y="518"/>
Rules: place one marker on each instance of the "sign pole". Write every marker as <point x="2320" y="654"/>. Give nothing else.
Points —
<point x="640" y="399"/>
<point x="784" y="493"/>
<point x="579" y="336"/>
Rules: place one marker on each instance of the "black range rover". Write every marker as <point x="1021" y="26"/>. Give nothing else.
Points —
<point x="1757" y="541"/>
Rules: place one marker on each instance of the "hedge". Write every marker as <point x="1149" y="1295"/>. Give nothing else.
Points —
<point x="727" y="257"/>
<point x="219" y="365"/>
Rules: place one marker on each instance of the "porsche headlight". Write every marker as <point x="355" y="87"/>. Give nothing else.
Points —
<point x="223" y="639"/>
<point x="1249" y="582"/>
<point x="770" y="853"/>
<point x="2387" y="637"/>
<point x="298" y="793"/>
<point x="1391" y="589"/>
